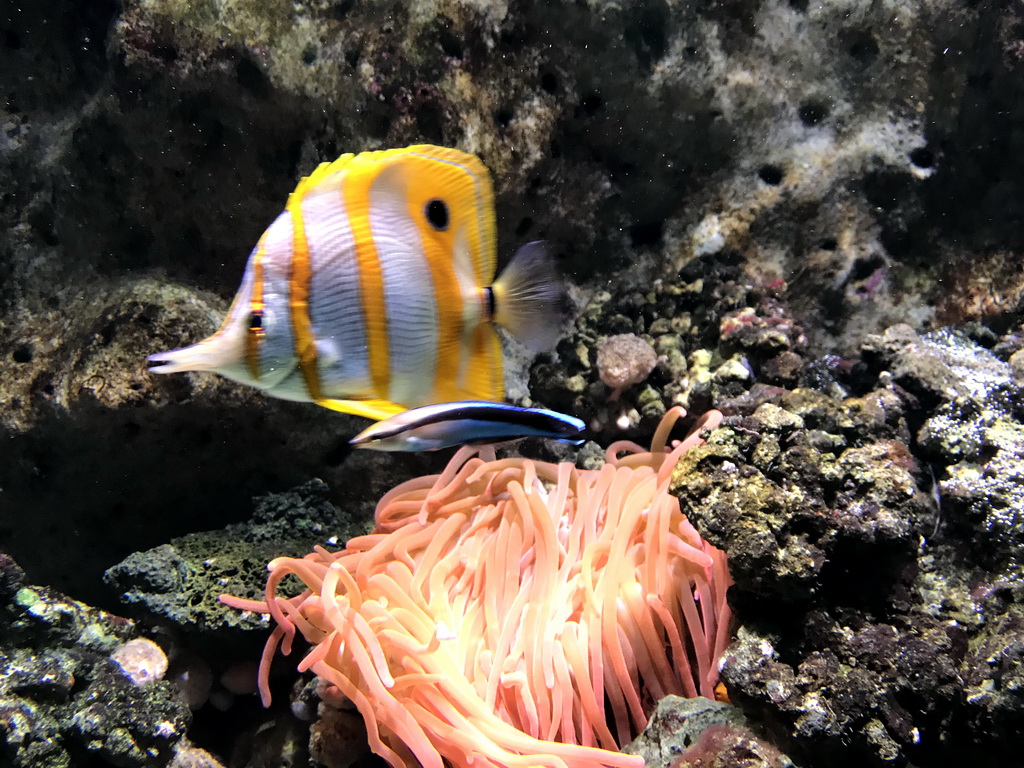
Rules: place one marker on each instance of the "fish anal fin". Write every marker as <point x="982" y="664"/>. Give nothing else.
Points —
<point x="481" y="376"/>
<point x="368" y="409"/>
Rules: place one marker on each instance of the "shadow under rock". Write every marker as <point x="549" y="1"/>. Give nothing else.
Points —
<point x="84" y="489"/>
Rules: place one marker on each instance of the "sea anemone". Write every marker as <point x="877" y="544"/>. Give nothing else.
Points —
<point x="513" y="612"/>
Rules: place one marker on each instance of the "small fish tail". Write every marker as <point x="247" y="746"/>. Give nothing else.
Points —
<point x="528" y="298"/>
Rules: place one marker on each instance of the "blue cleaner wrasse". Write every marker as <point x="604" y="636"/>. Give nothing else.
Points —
<point x="375" y="291"/>
<point x="468" y="422"/>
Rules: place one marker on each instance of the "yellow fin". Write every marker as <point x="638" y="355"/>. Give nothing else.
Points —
<point x="369" y="409"/>
<point x="484" y="377"/>
<point x="319" y="174"/>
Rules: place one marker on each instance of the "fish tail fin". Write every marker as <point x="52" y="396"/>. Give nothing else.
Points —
<point x="529" y="298"/>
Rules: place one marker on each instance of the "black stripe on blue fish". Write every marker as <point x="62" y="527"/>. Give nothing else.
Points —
<point x="524" y="421"/>
<point x="501" y="413"/>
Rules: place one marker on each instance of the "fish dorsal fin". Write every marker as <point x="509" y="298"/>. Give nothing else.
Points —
<point x="475" y="194"/>
<point x="369" y="409"/>
<point x="319" y="175"/>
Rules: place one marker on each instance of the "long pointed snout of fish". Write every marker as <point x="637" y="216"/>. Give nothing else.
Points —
<point x="375" y="438"/>
<point x="360" y="439"/>
<point x="194" y="358"/>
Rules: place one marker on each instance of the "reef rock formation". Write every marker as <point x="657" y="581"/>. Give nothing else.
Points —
<point x="65" y="700"/>
<point x="876" y="550"/>
<point x="756" y="190"/>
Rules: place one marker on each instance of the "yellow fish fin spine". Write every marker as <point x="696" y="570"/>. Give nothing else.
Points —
<point x="360" y="174"/>
<point x="298" y="292"/>
<point x="368" y="409"/>
<point x="256" y="333"/>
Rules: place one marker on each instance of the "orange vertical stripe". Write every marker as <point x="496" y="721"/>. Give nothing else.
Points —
<point x="254" y="339"/>
<point x="449" y="302"/>
<point x="356" y="192"/>
<point x="298" y="291"/>
<point x="437" y="250"/>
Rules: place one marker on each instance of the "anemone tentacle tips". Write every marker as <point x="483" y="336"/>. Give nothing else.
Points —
<point x="498" y="607"/>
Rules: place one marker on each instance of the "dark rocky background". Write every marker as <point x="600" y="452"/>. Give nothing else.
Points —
<point x="759" y="190"/>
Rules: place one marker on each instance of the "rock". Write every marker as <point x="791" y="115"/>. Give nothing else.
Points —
<point x="843" y="677"/>
<point x="723" y="746"/>
<point x="338" y="738"/>
<point x="187" y="755"/>
<point x="63" y="701"/>
<point x="141" y="660"/>
<point x="973" y="434"/>
<point x="624" y="361"/>
<point x="11" y="576"/>
<point x="698" y="732"/>
<point x="785" y="501"/>
<point x="181" y="581"/>
<point x="992" y="666"/>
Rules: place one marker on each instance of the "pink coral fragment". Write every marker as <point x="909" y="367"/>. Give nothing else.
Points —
<point x="625" y="360"/>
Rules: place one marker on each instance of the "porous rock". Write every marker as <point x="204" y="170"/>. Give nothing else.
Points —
<point x="973" y="434"/>
<point x="877" y="605"/>
<point x="181" y="580"/>
<point x="64" y="702"/>
<point x="801" y="483"/>
<point x="624" y="360"/>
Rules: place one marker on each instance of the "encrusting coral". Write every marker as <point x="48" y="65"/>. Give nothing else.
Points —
<point x="499" y="605"/>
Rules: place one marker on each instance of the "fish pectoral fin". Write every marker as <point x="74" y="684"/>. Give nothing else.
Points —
<point x="369" y="409"/>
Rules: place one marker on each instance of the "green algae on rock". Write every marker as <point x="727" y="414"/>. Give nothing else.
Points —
<point x="182" y="579"/>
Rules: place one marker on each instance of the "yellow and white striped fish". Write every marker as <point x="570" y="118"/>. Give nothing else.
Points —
<point x="374" y="290"/>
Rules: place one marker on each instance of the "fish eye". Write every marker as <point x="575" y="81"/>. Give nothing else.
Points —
<point x="437" y="214"/>
<point x="256" y="320"/>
